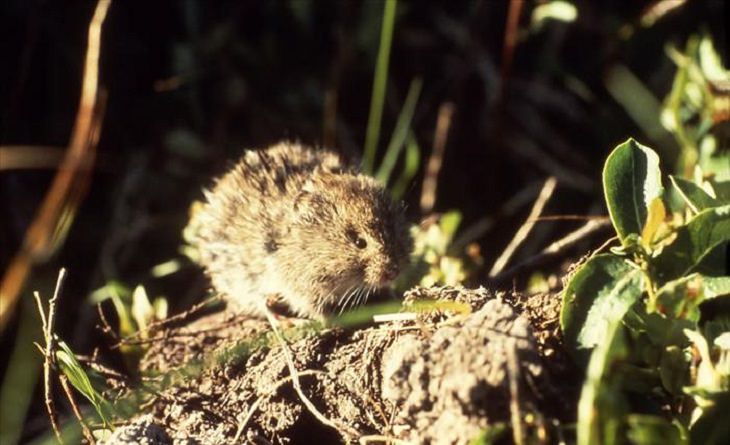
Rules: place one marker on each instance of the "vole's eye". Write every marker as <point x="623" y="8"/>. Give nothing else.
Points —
<point x="356" y="239"/>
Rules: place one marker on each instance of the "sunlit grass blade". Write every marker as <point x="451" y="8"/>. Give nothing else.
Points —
<point x="80" y="380"/>
<point x="400" y="133"/>
<point x="365" y="314"/>
<point x="379" y="86"/>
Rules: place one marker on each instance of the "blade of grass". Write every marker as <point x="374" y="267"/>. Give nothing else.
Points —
<point x="21" y="375"/>
<point x="400" y="133"/>
<point x="379" y="85"/>
<point x="78" y="377"/>
<point x="70" y="432"/>
<point x="410" y="167"/>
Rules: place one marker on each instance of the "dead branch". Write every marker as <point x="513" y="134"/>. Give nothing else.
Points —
<point x="542" y="199"/>
<point x="75" y="408"/>
<point x="556" y="247"/>
<point x="430" y="181"/>
<point x="341" y="427"/>
<point x="47" y="321"/>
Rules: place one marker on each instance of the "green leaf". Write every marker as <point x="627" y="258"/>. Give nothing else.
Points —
<point x="142" y="309"/>
<point x="631" y="181"/>
<point x="449" y="222"/>
<point x="599" y="294"/>
<point x="694" y="242"/>
<point x="716" y="286"/>
<point x="602" y="407"/>
<point x="646" y="429"/>
<point x="555" y="10"/>
<point x="680" y="298"/>
<point x="75" y="373"/>
<point x="121" y="297"/>
<point x="722" y="188"/>
<point x="696" y="198"/>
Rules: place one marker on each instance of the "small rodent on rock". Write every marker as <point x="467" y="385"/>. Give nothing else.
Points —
<point x="300" y="226"/>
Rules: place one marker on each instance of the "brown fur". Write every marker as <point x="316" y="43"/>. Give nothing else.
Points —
<point x="302" y="226"/>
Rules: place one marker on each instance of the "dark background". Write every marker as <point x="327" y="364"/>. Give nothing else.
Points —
<point x="192" y="83"/>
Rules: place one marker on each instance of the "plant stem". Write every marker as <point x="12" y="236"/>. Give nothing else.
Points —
<point x="379" y="86"/>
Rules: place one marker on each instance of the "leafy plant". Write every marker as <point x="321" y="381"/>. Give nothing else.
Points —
<point x="693" y="107"/>
<point x="135" y="313"/>
<point x="434" y="260"/>
<point x="646" y="311"/>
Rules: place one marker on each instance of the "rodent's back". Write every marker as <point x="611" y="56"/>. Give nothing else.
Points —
<point x="287" y="221"/>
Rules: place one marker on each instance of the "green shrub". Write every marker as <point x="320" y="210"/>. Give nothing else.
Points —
<point x="653" y="316"/>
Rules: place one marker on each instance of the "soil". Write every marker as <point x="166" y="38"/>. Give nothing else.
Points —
<point x="437" y="376"/>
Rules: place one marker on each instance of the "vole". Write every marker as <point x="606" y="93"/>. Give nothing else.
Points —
<point x="302" y="227"/>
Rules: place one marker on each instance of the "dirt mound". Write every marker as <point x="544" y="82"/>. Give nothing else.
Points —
<point x="440" y="377"/>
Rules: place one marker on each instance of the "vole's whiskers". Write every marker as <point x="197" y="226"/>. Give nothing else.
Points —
<point x="347" y="296"/>
<point x="356" y="301"/>
<point x="367" y="294"/>
<point x="341" y="300"/>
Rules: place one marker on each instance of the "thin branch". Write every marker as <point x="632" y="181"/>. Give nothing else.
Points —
<point x="106" y="327"/>
<point x="542" y="199"/>
<point x="255" y="405"/>
<point x="341" y="428"/>
<point x="177" y="317"/>
<point x="572" y="218"/>
<point x="575" y="236"/>
<point x="430" y="180"/>
<point x="557" y="247"/>
<point x="75" y="408"/>
<point x="47" y="321"/>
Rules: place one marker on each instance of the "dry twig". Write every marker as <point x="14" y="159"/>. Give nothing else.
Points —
<point x="132" y="339"/>
<point x="430" y="180"/>
<point x="557" y="247"/>
<point x="542" y="199"/>
<point x="75" y="408"/>
<point x="255" y="405"/>
<point x="337" y="426"/>
<point x="49" y="350"/>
